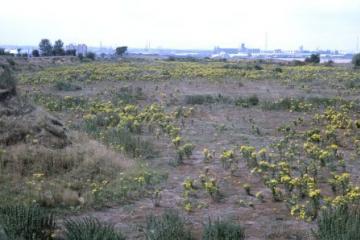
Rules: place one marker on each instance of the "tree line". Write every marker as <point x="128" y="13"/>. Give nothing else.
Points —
<point x="47" y="49"/>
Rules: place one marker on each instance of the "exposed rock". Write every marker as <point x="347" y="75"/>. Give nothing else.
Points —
<point x="22" y="122"/>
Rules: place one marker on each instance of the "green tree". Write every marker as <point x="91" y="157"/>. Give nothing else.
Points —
<point x="59" y="48"/>
<point x="35" y="53"/>
<point x="45" y="47"/>
<point x="356" y="60"/>
<point x="314" y="58"/>
<point x="121" y="50"/>
<point x="18" y="52"/>
<point x="70" y="52"/>
<point x="90" y="55"/>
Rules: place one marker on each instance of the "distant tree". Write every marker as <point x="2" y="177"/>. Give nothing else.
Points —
<point x="45" y="47"/>
<point x="58" y="49"/>
<point x="2" y="51"/>
<point x="356" y="60"/>
<point x="81" y="56"/>
<point x="90" y="55"/>
<point x="35" y="53"/>
<point x="70" y="52"/>
<point x="18" y="52"/>
<point x="121" y="50"/>
<point x="314" y="58"/>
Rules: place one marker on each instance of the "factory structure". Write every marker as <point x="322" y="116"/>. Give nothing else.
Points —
<point x="81" y="49"/>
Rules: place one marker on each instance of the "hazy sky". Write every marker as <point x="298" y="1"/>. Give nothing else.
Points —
<point x="333" y="24"/>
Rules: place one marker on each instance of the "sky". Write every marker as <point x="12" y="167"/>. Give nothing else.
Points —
<point x="184" y="24"/>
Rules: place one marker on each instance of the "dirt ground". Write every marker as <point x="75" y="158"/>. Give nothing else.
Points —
<point x="216" y="127"/>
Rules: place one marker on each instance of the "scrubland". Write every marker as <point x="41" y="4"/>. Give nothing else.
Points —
<point x="197" y="149"/>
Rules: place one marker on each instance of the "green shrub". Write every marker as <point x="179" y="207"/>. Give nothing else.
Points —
<point x="90" y="55"/>
<point x="223" y="230"/>
<point x="278" y="70"/>
<point x="184" y="151"/>
<point x="90" y="229"/>
<point x="128" y="95"/>
<point x="356" y="60"/>
<point x="314" y="58"/>
<point x="207" y="99"/>
<point x="168" y="226"/>
<point x="339" y="223"/>
<point x="253" y="100"/>
<point x="130" y="143"/>
<point x="7" y="81"/>
<point x="352" y="83"/>
<point x="199" y="99"/>
<point x="66" y="86"/>
<point x="27" y="222"/>
<point x="258" y="67"/>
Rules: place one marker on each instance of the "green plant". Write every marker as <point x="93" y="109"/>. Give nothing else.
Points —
<point x="227" y="158"/>
<point x="223" y="230"/>
<point x="247" y="189"/>
<point x="27" y="222"/>
<point x="260" y="196"/>
<point x="212" y="189"/>
<point x="156" y="197"/>
<point x="184" y="151"/>
<point x="168" y="226"/>
<point x="342" y="222"/>
<point x="90" y="229"/>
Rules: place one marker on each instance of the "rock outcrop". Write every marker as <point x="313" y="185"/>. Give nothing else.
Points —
<point x="20" y="121"/>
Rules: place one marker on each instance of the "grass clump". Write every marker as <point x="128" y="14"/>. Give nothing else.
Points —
<point x="26" y="223"/>
<point x="184" y="151"/>
<point x="339" y="223"/>
<point x="223" y="230"/>
<point x="130" y="143"/>
<point x="90" y="229"/>
<point x="168" y="226"/>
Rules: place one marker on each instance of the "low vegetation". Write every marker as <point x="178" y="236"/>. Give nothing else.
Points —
<point x="167" y="226"/>
<point x="256" y="141"/>
<point x="90" y="229"/>
<point x="223" y="230"/>
<point x="339" y="223"/>
<point x="28" y="223"/>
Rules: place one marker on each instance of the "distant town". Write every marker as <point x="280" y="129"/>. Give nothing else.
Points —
<point x="218" y="52"/>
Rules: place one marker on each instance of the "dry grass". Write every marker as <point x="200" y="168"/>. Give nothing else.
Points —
<point x="59" y="177"/>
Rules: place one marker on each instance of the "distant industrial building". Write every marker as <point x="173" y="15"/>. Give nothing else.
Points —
<point x="80" y="48"/>
<point x="218" y="50"/>
<point x="243" y="49"/>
